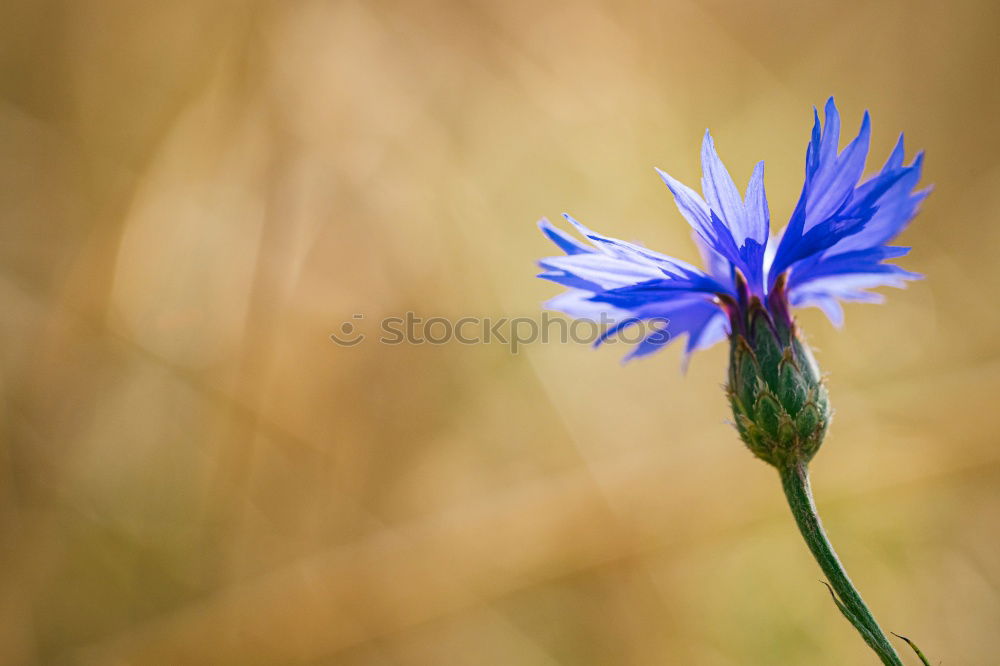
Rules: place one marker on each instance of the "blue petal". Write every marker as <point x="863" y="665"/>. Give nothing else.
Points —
<point x="757" y="212"/>
<point x="638" y="254"/>
<point x="612" y="330"/>
<point x="615" y="263"/>
<point x="731" y="226"/>
<point x="852" y="219"/>
<point x="896" y="206"/>
<point x="566" y="243"/>
<point x="896" y="156"/>
<point x="708" y="225"/>
<point x="718" y="266"/>
<point x="691" y="206"/>
<point x="831" y="132"/>
<point x="834" y="177"/>
<point x="830" y="306"/>
<point x="652" y="343"/>
<point x="721" y="193"/>
<point x="701" y="320"/>
<point x="825" y="292"/>
<point x="644" y="293"/>
<point x="596" y="271"/>
<point x="857" y="262"/>
<point x="841" y="257"/>
<point x="577" y="304"/>
<point x="822" y="216"/>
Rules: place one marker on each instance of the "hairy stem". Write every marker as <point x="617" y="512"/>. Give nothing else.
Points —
<point x="795" y="480"/>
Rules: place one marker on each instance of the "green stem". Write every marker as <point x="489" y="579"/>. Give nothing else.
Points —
<point x="795" y="480"/>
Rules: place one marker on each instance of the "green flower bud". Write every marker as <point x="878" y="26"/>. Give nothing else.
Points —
<point x="780" y="405"/>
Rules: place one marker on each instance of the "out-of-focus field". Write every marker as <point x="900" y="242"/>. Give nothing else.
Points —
<point x="195" y="195"/>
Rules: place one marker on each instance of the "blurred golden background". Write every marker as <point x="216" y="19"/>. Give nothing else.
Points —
<point x="195" y="195"/>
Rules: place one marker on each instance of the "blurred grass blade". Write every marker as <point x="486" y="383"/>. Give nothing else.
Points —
<point x="915" y="648"/>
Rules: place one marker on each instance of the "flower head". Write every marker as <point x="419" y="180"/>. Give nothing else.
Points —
<point x="834" y="248"/>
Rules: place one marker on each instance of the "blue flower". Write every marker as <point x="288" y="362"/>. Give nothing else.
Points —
<point x="834" y="248"/>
